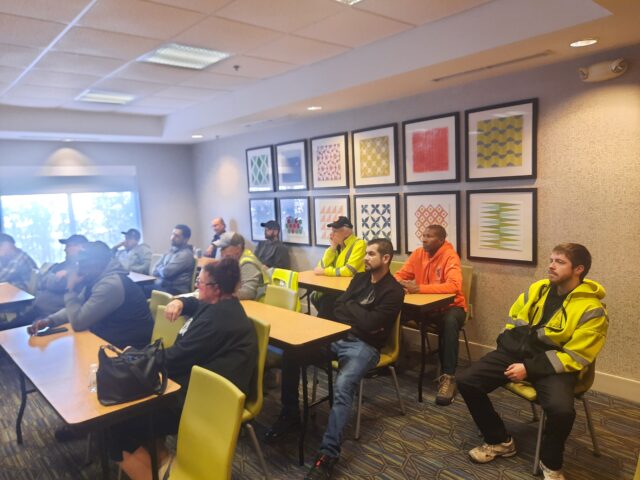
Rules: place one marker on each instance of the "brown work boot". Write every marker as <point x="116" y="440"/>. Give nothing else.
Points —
<point x="446" y="389"/>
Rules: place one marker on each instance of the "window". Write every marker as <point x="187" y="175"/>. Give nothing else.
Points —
<point x="37" y="222"/>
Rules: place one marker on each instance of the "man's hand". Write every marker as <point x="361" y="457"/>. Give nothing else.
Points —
<point x="318" y="271"/>
<point x="173" y="310"/>
<point x="410" y="286"/>
<point x="38" y="325"/>
<point x="516" y="372"/>
<point x="209" y="251"/>
<point x="73" y="279"/>
<point x="61" y="274"/>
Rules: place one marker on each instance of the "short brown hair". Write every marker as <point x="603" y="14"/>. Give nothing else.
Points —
<point x="577" y="255"/>
<point x="225" y="273"/>
<point x="439" y="230"/>
<point x="385" y="247"/>
<point x="236" y="240"/>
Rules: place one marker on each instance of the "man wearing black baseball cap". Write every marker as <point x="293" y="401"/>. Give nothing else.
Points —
<point x="133" y="255"/>
<point x="271" y="251"/>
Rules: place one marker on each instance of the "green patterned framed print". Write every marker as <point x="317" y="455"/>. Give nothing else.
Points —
<point x="260" y="169"/>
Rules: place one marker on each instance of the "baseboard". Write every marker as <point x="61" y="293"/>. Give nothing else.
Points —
<point x="622" y="387"/>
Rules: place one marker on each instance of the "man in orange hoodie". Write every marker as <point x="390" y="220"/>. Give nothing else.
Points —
<point x="435" y="268"/>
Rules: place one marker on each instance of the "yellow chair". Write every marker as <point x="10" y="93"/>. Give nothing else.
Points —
<point x="208" y="431"/>
<point x="525" y="390"/>
<point x="158" y="298"/>
<point x="253" y="405"/>
<point x="286" y="278"/>
<point x="194" y="275"/>
<point x="282" y="297"/>
<point x="164" y="329"/>
<point x="395" y="266"/>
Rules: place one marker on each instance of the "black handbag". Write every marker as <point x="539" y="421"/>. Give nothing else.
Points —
<point x="130" y="374"/>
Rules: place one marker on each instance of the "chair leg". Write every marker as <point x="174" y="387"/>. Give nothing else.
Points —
<point x="536" y="459"/>
<point x="256" y="446"/>
<point x="466" y="344"/>
<point x="592" y="431"/>
<point x="314" y="385"/>
<point x="360" y="391"/>
<point x="395" y="382"/>
<point x="534" y="412"/>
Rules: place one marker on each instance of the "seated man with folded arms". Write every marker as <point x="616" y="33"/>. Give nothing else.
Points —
<point x="219" y="228"/>
<point x="217" y="336"/>
<point x="435" y="268"/>
<point x="133" y="255"/>
<point x="15" y="265"/>
<point x="556" y="328"/>
<point x="271" y="251"/>
<point x="175" y="268"/>
<point x="102" y="298"/>
<point x="253" y="275"/>
<point x="52" y="284"/>
<point x="370" y="305"/>
<point x="343" y="258"/>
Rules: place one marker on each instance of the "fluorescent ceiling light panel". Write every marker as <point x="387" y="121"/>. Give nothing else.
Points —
<point x="184" y="56"/>
<point x="313" y="108"/>
<point x="349" y="2"/>
<point x="584" y="42"/>
<point x="105" y="97"/>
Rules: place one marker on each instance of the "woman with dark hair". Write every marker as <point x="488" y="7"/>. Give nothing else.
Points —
<point x="217" y="336"/>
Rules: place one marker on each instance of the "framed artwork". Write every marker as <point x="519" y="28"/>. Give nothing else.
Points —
<point x="291" y="165"/>
<point x="260" y="169"/>
<point x="261" y="210"/>
<point x="377" y="216"/>
<point x="375" y="159"/>
<point x="329" y="161"/>
<point x="501" y="141"/>
<point x="431" y="149"/>
<point x="437" y="208"/>
<point x="502" y="225"/>
<point x="295" y="221"/>
<point x="325" y="211"/>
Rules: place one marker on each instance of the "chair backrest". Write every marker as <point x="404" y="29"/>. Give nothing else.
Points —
<point x="158" y="298"/>
<point x="467" y="284"/>
<point x="282" y="297"/>
<point x="392" y="347"/>
<point x="286" y="278"/>
<point x="209" y="427"/>
<point x="194" y="275"/>
<point x="164" y="329"/>
<point x="395" y="266"/>
<point x="254" y="403"/>
<point x="155" y="258"/>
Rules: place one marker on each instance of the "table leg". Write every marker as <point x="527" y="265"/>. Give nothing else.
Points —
<point x="423" y="353"/>
<point x="104" y="454"/>
<point x="23" y="404"/>
<point x="153" y="450"/>
<point x="305" y="414"/>
<point x="330" y="383"/>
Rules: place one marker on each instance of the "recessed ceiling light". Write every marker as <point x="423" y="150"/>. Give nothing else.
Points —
<point x="349" y="2"/>
<point x="585" y="42"/>
<point x="313" y="108"/>
<point x="105" y="97"/>
<point x="184" y="56"/>
<point x="197" y="136"/>
<point x="67" y="140"/>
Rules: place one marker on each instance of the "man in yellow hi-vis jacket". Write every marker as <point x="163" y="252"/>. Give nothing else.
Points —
<point x="556" y="328"/>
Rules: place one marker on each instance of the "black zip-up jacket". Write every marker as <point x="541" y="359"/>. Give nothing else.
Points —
<point x="370" y="322"/>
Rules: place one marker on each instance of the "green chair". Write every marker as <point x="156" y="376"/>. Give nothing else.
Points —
<point x="253" y="405"/>
<point x="525" y="390"/>
<point x="164" y="329"/>
<point x="395" y="266"/>
<point x="158" y="298"/>
<point x="282" y="297"/>
<point x="209" y="428"/>
<point x="282" y="277"/>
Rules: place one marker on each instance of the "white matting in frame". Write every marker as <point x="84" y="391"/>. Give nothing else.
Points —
<point x="325" y="211"/>
<point x="294" y="220"/>
<point x="377" y="216"/>
<point x="424" y="209"/>
<point x="329" y="161"/>
<point x="375" y="156"/>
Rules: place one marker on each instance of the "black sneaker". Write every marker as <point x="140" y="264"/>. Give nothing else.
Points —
<point x="322" y="468"/>
<point x="285" y="423"/>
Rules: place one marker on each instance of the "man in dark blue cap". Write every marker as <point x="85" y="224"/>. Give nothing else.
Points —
<point x="133" y="255"/>
<point x="271" y="251"/>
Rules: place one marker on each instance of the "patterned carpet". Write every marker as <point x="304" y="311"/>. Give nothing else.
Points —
<point x="428" y="443"/>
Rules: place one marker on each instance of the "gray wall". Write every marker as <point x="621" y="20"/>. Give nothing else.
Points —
<point x="588" y="185"/>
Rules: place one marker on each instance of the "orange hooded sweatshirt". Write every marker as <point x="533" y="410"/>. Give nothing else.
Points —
<point x="438" y="274"/>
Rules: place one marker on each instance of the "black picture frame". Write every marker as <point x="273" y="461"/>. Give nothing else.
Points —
<point x="285" y="161"/>
<point x="390" y="131"/>
<point x="256" y="180"/>
<point x="323" y="218"/>
<point x="436" y="218"/>
<point x="255" y="208"/>
<point x="340" y="140"/>
<point x="394" y="215"/>
<point x="284" y="209"/>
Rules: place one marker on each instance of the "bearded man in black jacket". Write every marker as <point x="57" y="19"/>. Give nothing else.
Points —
<point x="370" y="305"/>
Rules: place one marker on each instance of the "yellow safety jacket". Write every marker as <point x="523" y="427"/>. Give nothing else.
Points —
<point x="347" y="262"/>
<point x="263" y="280"/>
<point x="573" y="336"/>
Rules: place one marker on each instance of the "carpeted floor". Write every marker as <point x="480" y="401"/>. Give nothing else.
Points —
<point x="429" y="442"/>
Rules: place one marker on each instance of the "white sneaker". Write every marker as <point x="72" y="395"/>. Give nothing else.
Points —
<point x="485" y="452"/>
<point x="549" y="474"/>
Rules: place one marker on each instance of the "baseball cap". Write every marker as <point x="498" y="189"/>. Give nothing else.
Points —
<point x="132" y="233"/>
<point x="224" y="241"/>
<point x="74" y="240"/>
<point x="341" y="222"/>
<point x="272" y="224"/>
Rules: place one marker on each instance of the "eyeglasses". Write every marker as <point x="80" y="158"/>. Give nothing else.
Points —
<point x="208" y="284"/>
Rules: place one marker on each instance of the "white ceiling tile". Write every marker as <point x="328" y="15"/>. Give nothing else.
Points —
<point x="37" y="91"/>
<point x="353" y="28"/>
<point x="157" y="73"/>
<point x="15" y="56"/>
<point x="32" y="102"/>
<point x="205" y="6"/>
<point x="132" y="87"/>
<point x="164" y="102"/>
<point x="189" y="93"/>
<point x="282" y="15"/>
<point x="105" y="44"/>
<point x="136" y="17"/>
<point x="77" y="63"/>
<point x="226" y="35"/>
<point x="27" y="32"/>
<point x="58" y="79"/>
<point x="251" y="67"/>
<point x="418" y="12"/>
<point x="8" y="74"/>
<point x="89" y="106"/>
<point x="62" y="11"/>
<point x="297" y="50"/>
<point x="142" y="110"/>
<point x="216" y="81"/>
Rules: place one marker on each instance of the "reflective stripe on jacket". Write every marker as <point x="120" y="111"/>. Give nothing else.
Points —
<point x="348" y="262"/>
